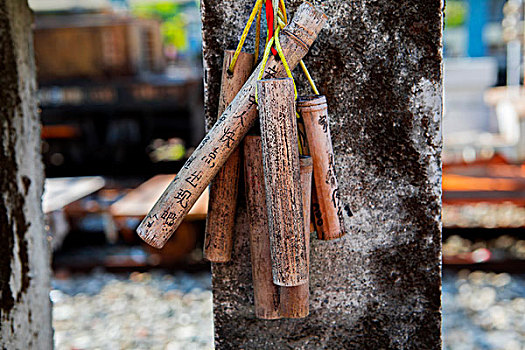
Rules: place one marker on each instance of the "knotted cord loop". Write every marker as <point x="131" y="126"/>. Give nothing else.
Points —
<point x="283" y="59"/>
<point x="276" y="17"/>
<point x="274" y="39"/>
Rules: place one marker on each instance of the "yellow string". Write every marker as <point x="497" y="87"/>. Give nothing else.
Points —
<point x="282" y="7"/>
<point x="281" y="17"/>
<point x="275" y="7"/>
<point x="255" y="10"/>
<point x="283" y="59"/>
<point x="266" y="55"/>
<point x="281" y="23"/>
<point x="310" y="80"/>
<point x="257" y="35"/>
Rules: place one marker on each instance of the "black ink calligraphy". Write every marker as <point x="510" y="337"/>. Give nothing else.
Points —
<point x="271" y="73"/>
<point x="330" y="174"/>
<point x="210" y="157"/>
<point x="168" y="217"/>
<point x="227" y="137"/>
<point x="182" y="197"/>
<point x="323" y="121"/>
<point x="194" y="178"/>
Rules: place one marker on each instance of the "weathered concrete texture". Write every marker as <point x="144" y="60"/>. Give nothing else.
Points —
<point x="25" y="315"/>
<point x="379" y="64"/>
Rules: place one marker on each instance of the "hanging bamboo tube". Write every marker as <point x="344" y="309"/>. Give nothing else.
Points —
<point x="305" y="151"/>
<point x="266" y="293"/>
<point x="282" y="180"/>
<point x="326" y="206"/>
<point x="295" y="300"/>
<point x="224" y="187"/>
<point x="198" y="171"/>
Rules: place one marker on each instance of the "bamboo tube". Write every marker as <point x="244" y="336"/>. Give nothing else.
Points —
<point x="224" y="187"/>
<point x="326" y="204"/>
<point x="295" y="300"/>
<point x="266" y="293"/>
<point x="282" y="180"/>
<point x="178" y="198"/>
<point x="305" y="148"/>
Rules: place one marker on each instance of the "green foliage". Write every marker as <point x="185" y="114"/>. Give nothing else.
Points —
<point x="455" y="13"/>
<point x="173" y="22"/>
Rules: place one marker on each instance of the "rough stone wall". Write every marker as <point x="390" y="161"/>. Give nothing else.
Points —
<point x="25" y="315"/>
<point x="379" y="64"/>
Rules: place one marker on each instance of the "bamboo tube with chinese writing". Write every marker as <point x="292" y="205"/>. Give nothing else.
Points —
<point x="295" y="300"/>
<point x="266" y="293"/>
<point x="224" y="187"/>
<point x="282" y="180"/>
<point x="198" y="171"/>
<point x="326" y="205"/>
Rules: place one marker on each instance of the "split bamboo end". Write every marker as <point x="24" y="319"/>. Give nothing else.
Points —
<point x="152" y="240"/>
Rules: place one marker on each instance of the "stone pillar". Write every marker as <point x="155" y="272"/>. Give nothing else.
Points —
<point x="25" y="309"/>
<point x="379" y="64"/>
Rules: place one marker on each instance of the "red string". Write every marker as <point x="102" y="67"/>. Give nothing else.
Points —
<point x="269" y="21"/>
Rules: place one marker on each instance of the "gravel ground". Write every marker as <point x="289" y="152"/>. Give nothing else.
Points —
<point x="174" y="311"/>
<point x="483" y="311"/>
<point x="138" y="311"/>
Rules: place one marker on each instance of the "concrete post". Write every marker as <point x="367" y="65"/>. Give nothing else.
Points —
<point x="25" y="310"/>
<point x="379" y="64"/>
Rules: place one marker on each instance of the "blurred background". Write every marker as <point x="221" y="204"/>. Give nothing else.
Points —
<point x="484" y="176"/>
<point x="121" y="99"/>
